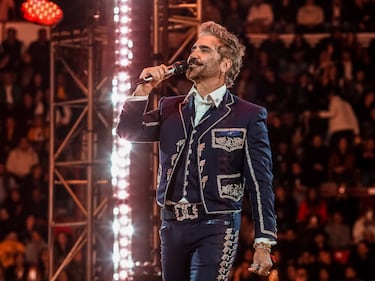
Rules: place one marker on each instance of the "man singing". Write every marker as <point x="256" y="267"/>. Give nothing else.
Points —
<point x="213" y="146"/>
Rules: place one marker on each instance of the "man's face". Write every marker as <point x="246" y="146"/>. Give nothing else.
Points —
<point x="204" y="60"/>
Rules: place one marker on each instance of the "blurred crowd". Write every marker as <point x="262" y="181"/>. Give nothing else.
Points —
<point x="321" y="104"/>
<point x="291" y="15"/>
<point x="24" y="152"/>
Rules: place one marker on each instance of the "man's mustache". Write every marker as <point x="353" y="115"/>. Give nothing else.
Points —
<point x="193" y="61"/>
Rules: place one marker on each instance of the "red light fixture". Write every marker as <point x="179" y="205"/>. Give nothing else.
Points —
<point x="41" y="12"/>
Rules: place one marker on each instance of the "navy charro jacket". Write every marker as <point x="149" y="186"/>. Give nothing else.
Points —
<point x="233" y="152"/>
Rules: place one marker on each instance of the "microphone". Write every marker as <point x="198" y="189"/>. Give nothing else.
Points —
<point x="178" y="68"/>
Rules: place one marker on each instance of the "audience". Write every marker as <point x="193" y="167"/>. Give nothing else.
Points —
<point x="260" y="17"/>
<point x="310" y="17"/>
<point x="323" y="163"/>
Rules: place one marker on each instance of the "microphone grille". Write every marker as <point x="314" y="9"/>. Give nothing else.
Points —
<point x="180" y="67"/>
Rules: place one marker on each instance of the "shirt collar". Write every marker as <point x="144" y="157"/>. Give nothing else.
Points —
<point x="214" y="97"/>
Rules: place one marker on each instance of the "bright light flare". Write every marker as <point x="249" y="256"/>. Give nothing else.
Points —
<point x="41" y="12"/>
<point x="121" y="85"/>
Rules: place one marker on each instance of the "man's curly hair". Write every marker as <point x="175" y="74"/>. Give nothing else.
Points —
<point x="231" y="49"/>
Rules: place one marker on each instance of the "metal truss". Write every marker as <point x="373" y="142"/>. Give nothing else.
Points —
<point x="175" y="28"/>
<point x="80" y="191"/>
<point x="175" y="24"/>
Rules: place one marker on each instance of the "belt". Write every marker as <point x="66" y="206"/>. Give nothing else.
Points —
<point x="183" y="211"/>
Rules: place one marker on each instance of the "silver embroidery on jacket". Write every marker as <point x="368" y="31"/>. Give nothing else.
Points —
<point x="201" y="146"/>
<point x="179" y="144"/>
<point x="230" y="186"/>
<point x="204" y="180"/>
<point x="169" y="174"/>
<point x="229" y="139"/>
<point x="173" y="159"/>
<point x="201" y="165"/>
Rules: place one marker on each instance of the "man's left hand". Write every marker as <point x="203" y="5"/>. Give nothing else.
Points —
<point x="262" y="262"/>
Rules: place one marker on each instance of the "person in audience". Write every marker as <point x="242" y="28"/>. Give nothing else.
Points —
<point x="21" y="159"/>
<point x="25" y="113"/>
<point x="63" y="244"/>
<point x="11" y="51"/>
<point x="27" y="71"/>
<point x="366" y="161"/>
<point x="260" y="17"/>
<point x="341" y="163"/>
<point x="310" y="17"/>
<point x="12" y="133"/>
<point x="273" y="46"/>
<point x="18" y="271"/>
<point x="245" y="87"/>
<point x="363" y="261"/>
<point x="10" y="247"/>
<point x="15" y="207"/>
<point x="301" y="274"/>
<point x="33" y="247"/>
<point x="211" y="11"/>
<point x="271" y="91"/>
<point x="38" y="134"/>
<point x="10" y="94"/>
<point x="342" y="121"/>
<point x="339" y="236"/>
<point x="350" y="274"/>
<point x="234" y="17"/>
<point x="315" y="161"/>
<point x="7" y="183"/>
<point x="285" y="15"/>
<point x="312" y="207"/>
<point x="37" y="85"/>
<point x="364" y="227"/>
<point x="355" y="88"/>
<point x="6" y="225"/>
<point x="285" y="208"/>
<point x="325" y="261"/>
<point x="360" y="15"/>
<point x="39" y="51"/>
<point x="336" y="15"/>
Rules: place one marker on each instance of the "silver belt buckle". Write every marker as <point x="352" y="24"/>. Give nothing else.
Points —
<point x="186" y="211"/>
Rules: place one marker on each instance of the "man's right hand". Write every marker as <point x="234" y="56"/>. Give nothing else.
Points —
<point x="158" y="73"/>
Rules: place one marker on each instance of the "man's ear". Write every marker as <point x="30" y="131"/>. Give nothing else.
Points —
<point x="225" y="65"/>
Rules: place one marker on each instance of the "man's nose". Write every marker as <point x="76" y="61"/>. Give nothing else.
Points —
<point x="194" y="53"/>
<point x="192" y="59"/>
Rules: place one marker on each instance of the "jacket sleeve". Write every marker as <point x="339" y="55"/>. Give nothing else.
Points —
<point x="259" y="177"/>
<point x="136" y="124"/>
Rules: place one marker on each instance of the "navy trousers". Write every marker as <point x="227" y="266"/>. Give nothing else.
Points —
<point x="202" y="249"/>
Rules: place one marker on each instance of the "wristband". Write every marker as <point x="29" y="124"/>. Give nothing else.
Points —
<point x="262" y="245"/>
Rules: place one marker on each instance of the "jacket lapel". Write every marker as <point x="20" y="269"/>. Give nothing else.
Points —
<point x="216" y="115"/>
<point x="186" y="109"/>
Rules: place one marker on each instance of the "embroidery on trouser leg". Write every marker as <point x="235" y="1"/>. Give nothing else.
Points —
<point x="229" y="253"/>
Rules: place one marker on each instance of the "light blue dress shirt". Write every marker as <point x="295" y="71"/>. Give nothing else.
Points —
<point x="203" y="104"/>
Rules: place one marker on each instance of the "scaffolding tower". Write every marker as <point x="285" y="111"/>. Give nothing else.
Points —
<point x="175" y="28"/>
<point x="175" y="25"/>
<point x="80" y="193"/>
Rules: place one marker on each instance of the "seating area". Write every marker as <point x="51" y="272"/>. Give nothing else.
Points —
<point x="324" y="176"/>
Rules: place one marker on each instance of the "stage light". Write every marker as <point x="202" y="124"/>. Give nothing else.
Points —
<point x="122" y="225"/>
<point x="41" y="12"/>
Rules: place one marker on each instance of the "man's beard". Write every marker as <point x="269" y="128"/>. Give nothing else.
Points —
<point x="193" y="70"/>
